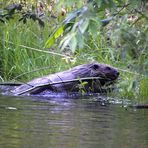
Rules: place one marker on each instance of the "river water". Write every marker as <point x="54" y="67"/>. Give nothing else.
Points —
<point x="46" y="122"/>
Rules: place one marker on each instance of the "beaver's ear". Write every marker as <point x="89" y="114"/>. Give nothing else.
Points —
<point x="108" y="68"/>
<point x="96" y="66"/>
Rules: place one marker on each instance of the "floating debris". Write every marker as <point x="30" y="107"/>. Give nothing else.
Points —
<point x="11" y="108"/>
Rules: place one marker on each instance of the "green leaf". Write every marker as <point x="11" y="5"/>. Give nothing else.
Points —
<point x="70" y="17"/>
<point x="80" y="39"/>
<point x="134" y="4"/>
<point x="50" y="42"/>
<point x="59" y="32"/>
<point x="93" y="27"/>
<point x="65" y="41"/>
<point x="73" y="44"/>
<point x="106" y="21"/>
<point x="84" y="25"/>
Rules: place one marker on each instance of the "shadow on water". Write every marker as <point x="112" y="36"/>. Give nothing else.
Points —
<point x="43" y="122"/>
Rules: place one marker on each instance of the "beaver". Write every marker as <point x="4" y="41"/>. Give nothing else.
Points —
<point x="89" y="77"/>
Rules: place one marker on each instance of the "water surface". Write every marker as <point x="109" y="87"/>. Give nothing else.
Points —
<point x="42" y="122"/>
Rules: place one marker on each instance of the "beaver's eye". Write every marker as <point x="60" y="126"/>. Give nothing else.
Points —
<point x="108" y="68"/>
<point x="95" y="66"/>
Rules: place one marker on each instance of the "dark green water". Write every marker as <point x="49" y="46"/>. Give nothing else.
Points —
<point x="38" y="122"/>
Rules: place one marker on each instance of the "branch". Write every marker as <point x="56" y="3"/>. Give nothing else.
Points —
<point x="60" y="82"/>
<point x="39" y="50"/>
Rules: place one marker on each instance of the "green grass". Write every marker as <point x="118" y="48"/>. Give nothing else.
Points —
<point x="16" y="59"/>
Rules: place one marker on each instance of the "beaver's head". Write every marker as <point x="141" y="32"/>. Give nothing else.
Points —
<point x="104" y="71"/>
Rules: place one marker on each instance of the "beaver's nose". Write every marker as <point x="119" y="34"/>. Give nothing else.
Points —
<point x="118" y="73"/>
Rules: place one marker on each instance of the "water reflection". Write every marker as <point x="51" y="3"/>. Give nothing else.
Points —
<point x="61" y="123"/>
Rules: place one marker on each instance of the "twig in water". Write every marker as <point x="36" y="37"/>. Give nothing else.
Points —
<point x="58" y="82"/>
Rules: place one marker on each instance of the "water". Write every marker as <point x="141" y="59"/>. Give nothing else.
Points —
<point x="37" y="122"/>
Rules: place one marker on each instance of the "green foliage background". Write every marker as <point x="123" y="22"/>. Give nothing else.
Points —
<point x="48" y="36"/>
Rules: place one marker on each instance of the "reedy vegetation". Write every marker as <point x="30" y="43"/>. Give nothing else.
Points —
<point x="69" y="33"/>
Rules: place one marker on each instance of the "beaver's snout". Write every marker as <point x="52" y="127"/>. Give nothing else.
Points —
<point x="116" y="74"/>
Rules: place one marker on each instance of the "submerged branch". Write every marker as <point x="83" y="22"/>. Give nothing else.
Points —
<point x="59" y="82"/>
